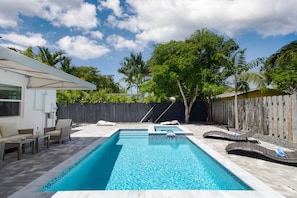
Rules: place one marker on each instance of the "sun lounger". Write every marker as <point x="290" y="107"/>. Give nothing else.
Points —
<point x="260" y="152"/>
<point x="230" y="136"/>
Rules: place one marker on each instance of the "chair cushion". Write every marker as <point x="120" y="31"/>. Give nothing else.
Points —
<point x="16" y="138"/>
<point x="63" y="123"/>
<point x="8" y="129"/>
<point x="54" y="133"/>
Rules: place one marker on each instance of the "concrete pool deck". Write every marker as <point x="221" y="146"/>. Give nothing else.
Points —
<point x="21" y="178"/>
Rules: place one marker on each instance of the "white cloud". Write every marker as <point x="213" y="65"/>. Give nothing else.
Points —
<point x="161" y="21"/>
<point x="82" y="17"/>
<point x="30" y="39"/>
<point x="95" y="34"/>
<point x="69" y="13"/>
<point x="120" y="43"/>
<point x="81" y="47"/>
<point x="114" y="5"/>
<point x="10" y="9"/>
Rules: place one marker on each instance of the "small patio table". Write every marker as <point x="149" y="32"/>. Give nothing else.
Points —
<point x="20" y="144"/>
<point x="37" y="138"/>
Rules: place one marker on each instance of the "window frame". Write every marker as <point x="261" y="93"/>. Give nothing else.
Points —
<point x="13" y="100"/>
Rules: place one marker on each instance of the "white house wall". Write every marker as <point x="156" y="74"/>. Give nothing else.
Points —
<point x="37" y="105"/>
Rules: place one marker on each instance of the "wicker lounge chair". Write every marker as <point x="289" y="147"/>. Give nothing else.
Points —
<point x="61" y="131"/>
<point x="260" y="152"/>
<point x="230" y="136"/>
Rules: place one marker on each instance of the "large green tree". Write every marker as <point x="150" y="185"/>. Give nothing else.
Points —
<point x="183" y="68"/>
<point x="281" y="68"/>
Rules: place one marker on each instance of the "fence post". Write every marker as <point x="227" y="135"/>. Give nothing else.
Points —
<point x="294" y="117"/>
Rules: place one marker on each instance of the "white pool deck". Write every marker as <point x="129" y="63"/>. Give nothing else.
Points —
<point x="266" y="178"/>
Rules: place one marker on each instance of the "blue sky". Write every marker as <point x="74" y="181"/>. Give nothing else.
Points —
<point x="100" y="33"/>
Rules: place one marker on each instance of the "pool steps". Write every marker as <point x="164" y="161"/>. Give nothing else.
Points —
<point x="133" y="134"/>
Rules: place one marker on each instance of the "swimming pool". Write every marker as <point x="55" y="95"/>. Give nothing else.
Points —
<point x="145" y="162"/>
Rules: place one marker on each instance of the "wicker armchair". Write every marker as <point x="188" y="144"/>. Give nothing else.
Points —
<point x="61" y="131"/>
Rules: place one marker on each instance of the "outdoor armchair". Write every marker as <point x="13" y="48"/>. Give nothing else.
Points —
<point x="61" y="131"/>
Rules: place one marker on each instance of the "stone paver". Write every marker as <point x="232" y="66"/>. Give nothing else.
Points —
<point x="16" y="174"/>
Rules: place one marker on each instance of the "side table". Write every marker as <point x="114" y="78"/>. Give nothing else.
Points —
<point x="37" y="138"/>
<point x="20" y="144"/>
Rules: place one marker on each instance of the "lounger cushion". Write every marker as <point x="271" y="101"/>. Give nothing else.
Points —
<point x="8" y="129"/>
<point x="54" y="133"/>
<point x="15" y="137"/>
<point x="63" y="123"/>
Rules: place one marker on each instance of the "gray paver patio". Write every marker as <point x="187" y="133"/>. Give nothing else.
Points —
<point x="16" y="174"/>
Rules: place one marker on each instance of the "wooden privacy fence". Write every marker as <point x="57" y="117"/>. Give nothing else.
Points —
<point x="274" y="115"/>
<point x="129" y="112"/>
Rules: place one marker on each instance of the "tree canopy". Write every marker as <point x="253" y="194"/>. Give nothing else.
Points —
<point x="280" y="68"/>
<point x="105" y="83"/>
<point x="135" y="69"/>
<point x="187" y="69"/>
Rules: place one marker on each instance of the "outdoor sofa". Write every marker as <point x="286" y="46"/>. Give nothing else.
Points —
<point x="61" y="131"/>
<point x="9" y="132"/>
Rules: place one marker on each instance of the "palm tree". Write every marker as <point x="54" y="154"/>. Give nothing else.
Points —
<point x="234" y="65"/>
<point x="46" y="57"/>
<point x="135" y="71"/>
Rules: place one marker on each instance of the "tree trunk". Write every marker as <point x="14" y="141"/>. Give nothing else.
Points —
<point x="188" y="108"/>
<point x="187" y="114"/>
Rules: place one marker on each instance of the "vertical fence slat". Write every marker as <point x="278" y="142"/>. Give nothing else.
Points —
<point x="274" y="115"/>
<point x="294" y="117"/>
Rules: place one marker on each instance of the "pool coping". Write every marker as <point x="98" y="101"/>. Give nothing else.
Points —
<point x="260" y="188"/>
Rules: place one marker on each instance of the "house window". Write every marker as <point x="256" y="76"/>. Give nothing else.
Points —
<point x="10" y="100"/>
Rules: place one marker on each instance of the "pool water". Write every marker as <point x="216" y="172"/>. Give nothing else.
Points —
<point x="168" y="129"/>
<point x="152" y="162"/>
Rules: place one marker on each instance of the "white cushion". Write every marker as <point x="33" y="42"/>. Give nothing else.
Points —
<point x="8" y="129"/>
<point x="15" y="137"/>
<point x="54" y="133"/>
<point x="63" y="123"/>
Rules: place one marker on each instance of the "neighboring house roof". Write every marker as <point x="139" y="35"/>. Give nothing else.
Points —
<point x="40" y="76"/>
<point x="253" y="93"/>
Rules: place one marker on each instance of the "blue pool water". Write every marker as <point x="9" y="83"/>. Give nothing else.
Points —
<point x="167" y="129"/>
<point x="142" y="162"/>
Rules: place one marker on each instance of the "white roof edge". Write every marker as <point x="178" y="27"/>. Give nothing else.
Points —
<point x="13" y="56"/>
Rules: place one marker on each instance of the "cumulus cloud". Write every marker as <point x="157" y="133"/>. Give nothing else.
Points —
<point x="96" y="34"/>
<point x="69" y="13"/>
<point x="120" y="43"/>
<point x="144" y="21"/>
<point x="10" y="9"/>
<point x="164" y="20"/>
<point x="114" y="5"/>
<point x="30" y="39"/>
<point x="82" y="47"/>
<point x="82" y="17"/>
